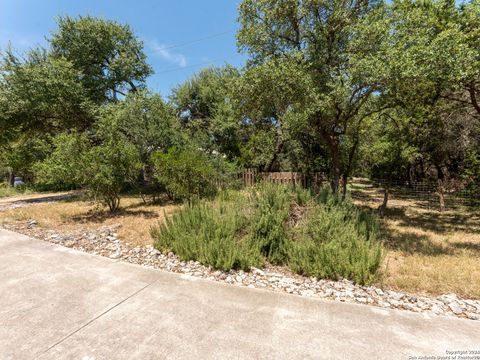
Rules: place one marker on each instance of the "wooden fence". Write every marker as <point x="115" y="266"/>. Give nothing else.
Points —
<point x="251" y="176"/>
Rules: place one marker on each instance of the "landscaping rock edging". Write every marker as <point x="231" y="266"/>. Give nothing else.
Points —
<point x="104" y="241"/>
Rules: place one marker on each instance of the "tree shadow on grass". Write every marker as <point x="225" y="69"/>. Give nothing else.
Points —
<point x="437" y="222"/>
<point x="410" y="234"/>
<point x="47" y="199"/>
<point x="99" y="216"/>
<point x="412" y="243"/>
<point x="149" y="203"/>
<point x="367" y="196"/>
<point x="463" y="245"/>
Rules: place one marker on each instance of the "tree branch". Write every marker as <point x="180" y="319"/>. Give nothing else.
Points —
<point x="473" y="98"/>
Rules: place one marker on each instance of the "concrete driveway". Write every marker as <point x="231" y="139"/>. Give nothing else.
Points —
<point x="57" y="303"/>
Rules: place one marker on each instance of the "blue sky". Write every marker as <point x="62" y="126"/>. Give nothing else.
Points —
<point x="161" y="24"/>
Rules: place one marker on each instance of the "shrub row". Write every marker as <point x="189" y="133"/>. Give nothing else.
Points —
<point x="322" y="235"/>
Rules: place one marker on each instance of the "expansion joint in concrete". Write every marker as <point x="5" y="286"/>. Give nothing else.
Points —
<point x="97" y="317"/>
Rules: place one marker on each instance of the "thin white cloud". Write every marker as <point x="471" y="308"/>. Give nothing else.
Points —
<point x="162" y="51"/>
<point x="20" y="42"/>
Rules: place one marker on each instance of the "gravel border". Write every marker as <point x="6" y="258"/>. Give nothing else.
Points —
<point x="104" y="241"/>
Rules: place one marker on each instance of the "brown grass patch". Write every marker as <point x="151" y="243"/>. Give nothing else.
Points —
<point x="134" y="216"/>
<point x="428" y="252"/>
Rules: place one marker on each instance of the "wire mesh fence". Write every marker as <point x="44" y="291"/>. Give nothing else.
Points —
<point x="425" y="193"/>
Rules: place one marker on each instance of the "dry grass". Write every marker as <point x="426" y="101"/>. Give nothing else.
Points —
<point x="135" y="217"/>
<point x="428" y="252"/>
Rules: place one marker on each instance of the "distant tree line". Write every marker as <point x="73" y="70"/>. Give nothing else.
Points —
<point x="364" y="87"/>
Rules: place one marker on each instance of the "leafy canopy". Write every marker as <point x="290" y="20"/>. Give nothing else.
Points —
<point x="108" y="55"/>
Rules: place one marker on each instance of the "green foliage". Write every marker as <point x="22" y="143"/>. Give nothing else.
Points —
<point x="104" y="170"/>
<point x="317" y="35"/>
<point x="186" y="173"/>
<point x="259" y="148"/>
<point x="40" y="94"/>
<point x="424" y="68"/>
<point x="274" y="87"/>
<point x="271" y="95"/>
<point x="388" y="148"/>
<point x="471" y="171"/>
<point x="7" y="190"/>
<point x="422" y="49"/>
<point x="206" y="111"/>
<point x="64" y="165"/>
<point x="210" y="234"/>
<point x="50" y="91"/>
<point x="270" y="209"/>
<point x="107" y="54"/>
<point x="108" y="168"/>
<point x="388" y="90"/>
<point x="143" y="119"/>
<point x="19" y="156"/>
<point x="149" y="124"/>
<point x="335" y="240"/>
<point x="322" y="236"/>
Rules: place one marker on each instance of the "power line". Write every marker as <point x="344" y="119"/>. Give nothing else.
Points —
<point x="196" y="40"/>
<point x="190" y="66"/>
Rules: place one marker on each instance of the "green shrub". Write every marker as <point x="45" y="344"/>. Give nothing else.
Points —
<point x="187" y="174"/>
<point x="6" y="190"/>
<point x="211" y="233"/>
<point x="336" y="240"/>
<point x="104" y="170"/>
<point x="270" y="207"/>
<point x="108" y="169"/>
<point x="322" y="236"/>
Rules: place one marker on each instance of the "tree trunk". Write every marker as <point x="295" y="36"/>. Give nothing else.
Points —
<point x="344" y="185"/>
<point x="346" y="173"/>
<point x="409" y="176"/>
<point x="11" y="179"/>
<point x="113" y="202"/>
<point x="383" y="207"/>
<point x="440" y="188"/>
<point x="335" y="166"/>
<point x="278" y="147"/>
<point x="473" y="98"/>
<point x="333" y="142"/>
<point x="441" y="195"/>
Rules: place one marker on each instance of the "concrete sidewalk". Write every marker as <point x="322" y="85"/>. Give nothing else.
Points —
<point x="57" y="303"/>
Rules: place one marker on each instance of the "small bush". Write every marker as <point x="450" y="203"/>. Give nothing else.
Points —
<point x="209" y="233"/>
<point x="322" y="236"/>
<point x="336" y="240"/>
<point x="6" y="190"/>
<point x="270" y="207"/>
<point x="187" y="174"/>
<point x="325" y="236"/>
<point x="104" y="170"/>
